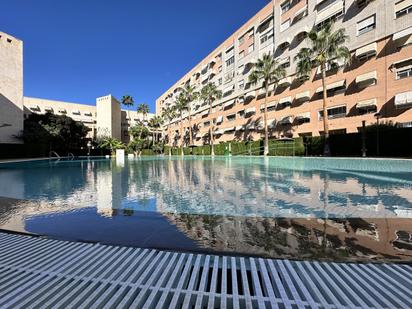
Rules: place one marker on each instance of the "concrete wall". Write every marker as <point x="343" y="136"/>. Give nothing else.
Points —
<point x="11" y="88"/>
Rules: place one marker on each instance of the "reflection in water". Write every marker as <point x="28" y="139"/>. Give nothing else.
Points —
<point x="276" y="207"/>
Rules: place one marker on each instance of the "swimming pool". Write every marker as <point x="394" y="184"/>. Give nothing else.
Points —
<point x="300" y="208"/>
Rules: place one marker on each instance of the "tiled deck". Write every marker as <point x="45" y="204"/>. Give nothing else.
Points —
<point x="43" y="273"/>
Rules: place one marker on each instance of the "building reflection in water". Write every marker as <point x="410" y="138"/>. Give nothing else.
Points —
<point x="291" y="208"/>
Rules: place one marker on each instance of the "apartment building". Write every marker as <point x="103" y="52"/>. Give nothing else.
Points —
<point x="378" y="80"/>
<point x="105" y="118"/>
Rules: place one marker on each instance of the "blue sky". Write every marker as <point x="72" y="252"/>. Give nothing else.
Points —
<point x="77" y="50"/>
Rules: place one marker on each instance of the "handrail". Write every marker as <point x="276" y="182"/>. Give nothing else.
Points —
<point x="70" y="155"/>
<point x="55" y="153"/>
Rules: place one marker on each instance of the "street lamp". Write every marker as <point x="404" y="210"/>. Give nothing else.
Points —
<point x="377" y="116"/>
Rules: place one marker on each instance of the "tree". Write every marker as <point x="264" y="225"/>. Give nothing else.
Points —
<point x="143" y="109"/>
<point x="169" y="113"/>
<point x="326" y="48"/>
<point x="181" y="105"/>
<point x="268" y="70"/>
<point x="209" y="94"/>
<point x="110" y="143"/>
<point x="58" y="132"/>
<point x="139" y="131"/>
<point x="191" y="95"/>
<point x="155" y="123"/>
<point x="127" y="101"/>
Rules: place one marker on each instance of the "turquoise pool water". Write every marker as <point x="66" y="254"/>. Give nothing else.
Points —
<point x="204" y="203"/>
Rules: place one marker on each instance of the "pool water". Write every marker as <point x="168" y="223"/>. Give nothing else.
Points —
<point x="298" y="208"/>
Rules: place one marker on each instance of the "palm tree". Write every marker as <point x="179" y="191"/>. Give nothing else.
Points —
<point x="127" y="101"/>
<point x="169" y="114"/>
<point x="268" y="70"/>
<point x="326" y="48"/>
<point x="209" y="94"/>
<point x="155" y="123"/>
<point x="110" y="143"/>
<point x="143" y="109"/>
<point x="190" y="95"/>
<point x="181" y="105"/>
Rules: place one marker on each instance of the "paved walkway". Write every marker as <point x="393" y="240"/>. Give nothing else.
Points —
<point x="42" y="273"/>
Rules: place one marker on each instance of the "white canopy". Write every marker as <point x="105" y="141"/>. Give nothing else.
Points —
<point x="250" y="110"/>
<point x="367" y="49"/>
<point x="331" y="86"/>
<point x="403" y="99"/>
<point x="366" y="77"/>
<point x="305" y="95"/>
<point x="366" y="103"/>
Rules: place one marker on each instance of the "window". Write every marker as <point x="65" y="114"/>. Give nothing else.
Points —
<point x="403" y="69"/>
<point x="220" y="81"/>
<point x="368" y="110"/>
<point x="241" y="54"/>
<point x="265" y="37"/>
<point x="285" y="25"/>
<point x="334" y="112"/>
<point x="206" y="124"/>
<point x="366" y="25"/>
<point x="251" y="48"/>
<point x="231" y="117"/>
<point x="240" y="69"/>
<point x="241" y="40"/>
<point x="241" y="84"/>
<point x="285" y="6"/>
<point x="286" y="64"/>
<point x="241" y="114"/>
<point x="220" y="69"/>
<point x="230" y="61"/>
<point x="402" y="9"/>
<point x="404" y="73"/>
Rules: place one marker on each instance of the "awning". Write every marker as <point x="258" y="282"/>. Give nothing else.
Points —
<point x="403" y="99"/>
<point x="402" y="63"/>
<point x="250" y="110"/>
<point x="241" y="99"/>
<point x="204" y="67"/>
<point x="205" y="112"/>
<point x="205" y="78"/>
<point x="218" y="132"/>
<point x="368" y="49"/>
<point x="229" y="89"/>
<point x="284" y="60"/>
<point x="366" y="104"/>
<point x="88" y="114"/>
<point x="212" y="61"/>
<point x="35" y="107"/>
<point x="338" y="84"/>
<point x="229" y="129"/>
<point x="303" y="116"/>
<point x="401" y="5"/>
<point x="329" y="11"/>
<point x="62" y="111"/>
<point x="219" y="119"/>
<point x="285" y="81"/>
<point x="403" y="37"/>
<point x="304" y="29"/>
<point x="48" y="108"/>
<point x="240" y="128"/>
<point x="260" y="125"/>
<point x="300" y="11"/>
<point x="287" y="100"/>
<point x="286" y="120"/>
<point x="229" y="103"/>
<point x="251" y="61"/>
<point x="303" y="96"/>
<point x="268" y="105"/>
<point x="250" y="95"/>
<point x="364" y="78"/>
<point x="284" y="43"/>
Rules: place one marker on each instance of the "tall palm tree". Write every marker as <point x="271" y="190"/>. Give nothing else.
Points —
<point x="169" y="114"/>
<point x="127" y="101"/>
<point x="268" y="70"/>
<point x="326" y="48"/>
<point x="181" y="105"/>
<point x="143" y="109"/>
<point x="190" y="95"/>
<point x="209" y="94"/>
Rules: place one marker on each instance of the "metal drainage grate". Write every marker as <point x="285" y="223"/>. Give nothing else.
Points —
<point x="43" y="273"/>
